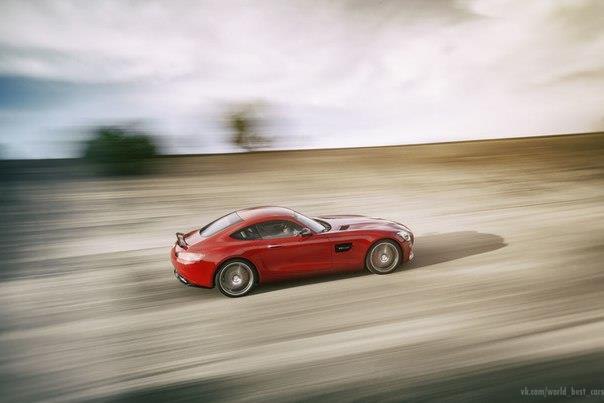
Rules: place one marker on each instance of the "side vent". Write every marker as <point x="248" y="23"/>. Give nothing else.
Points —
<point x="343" y="247"/>
<point x="344" y="227"/>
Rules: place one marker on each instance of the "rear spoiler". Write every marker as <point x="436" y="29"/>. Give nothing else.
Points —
<point x="180" y="240"/>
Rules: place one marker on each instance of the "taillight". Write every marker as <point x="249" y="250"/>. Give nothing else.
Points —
<point x="189" y="257"/>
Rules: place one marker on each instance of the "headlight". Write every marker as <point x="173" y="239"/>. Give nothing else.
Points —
<point x="189" y="257"/>
<point x="406" y="235"/>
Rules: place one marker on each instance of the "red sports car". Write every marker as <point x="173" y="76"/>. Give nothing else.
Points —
<point x="264" y="244"/>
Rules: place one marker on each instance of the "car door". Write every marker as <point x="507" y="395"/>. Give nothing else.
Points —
<point x="286" y="253"/>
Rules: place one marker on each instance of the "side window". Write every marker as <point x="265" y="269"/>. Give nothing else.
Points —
<point x="278" y="229"/>
<point x="247" y="233"/>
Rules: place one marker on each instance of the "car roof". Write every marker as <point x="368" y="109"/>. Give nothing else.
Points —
<point x="259" y="213"/>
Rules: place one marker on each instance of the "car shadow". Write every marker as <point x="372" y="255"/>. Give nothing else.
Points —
<point x="429" y="250"/>
<point x="440" y="248"/>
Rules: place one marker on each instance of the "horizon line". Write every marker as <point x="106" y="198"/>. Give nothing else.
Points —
<point x="276" y="150"/>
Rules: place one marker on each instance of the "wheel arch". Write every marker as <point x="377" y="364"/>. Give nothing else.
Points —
<point x="385" y="238"/>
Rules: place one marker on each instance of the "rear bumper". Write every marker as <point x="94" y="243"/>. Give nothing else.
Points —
<point x="200" y="274"/>
<point x="181" y="278"/>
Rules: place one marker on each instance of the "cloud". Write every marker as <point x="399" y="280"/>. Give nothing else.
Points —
<point x="341" y="73"/>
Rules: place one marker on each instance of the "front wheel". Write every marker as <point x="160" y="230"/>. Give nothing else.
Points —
<point x="236" y="278"/>
<point x="383" y="257"/>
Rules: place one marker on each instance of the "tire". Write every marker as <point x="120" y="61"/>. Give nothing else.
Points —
<point x="236" y="278"/>
<point x="383" y="257"/>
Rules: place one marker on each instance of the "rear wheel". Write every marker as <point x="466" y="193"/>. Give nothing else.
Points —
<point x="236" y="278"/>
<point x="383" y="257"/>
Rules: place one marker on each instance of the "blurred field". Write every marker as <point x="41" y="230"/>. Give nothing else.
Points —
<point x="507" y="289"/>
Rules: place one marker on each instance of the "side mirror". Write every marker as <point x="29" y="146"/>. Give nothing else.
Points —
<point x="305" y="232"/>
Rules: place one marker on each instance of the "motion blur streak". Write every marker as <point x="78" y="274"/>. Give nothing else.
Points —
<point x="506" y="290"/>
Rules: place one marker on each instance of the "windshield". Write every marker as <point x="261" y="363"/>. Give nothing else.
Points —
<point x="219" y="224"/>
<point x="314" y="226"/>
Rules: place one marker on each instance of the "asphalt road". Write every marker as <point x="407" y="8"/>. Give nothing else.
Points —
<point x="506" y="291"/>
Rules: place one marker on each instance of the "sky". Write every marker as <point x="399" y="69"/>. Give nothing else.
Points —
<point x="335" y="73"/>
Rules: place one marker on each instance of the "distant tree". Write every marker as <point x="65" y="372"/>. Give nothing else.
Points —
<point x="119" y="151"/>
<point x="6" y="168"/>
<point x="245" y="126"/>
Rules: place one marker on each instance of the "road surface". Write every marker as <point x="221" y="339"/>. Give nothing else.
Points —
<point x="506" y="291"/>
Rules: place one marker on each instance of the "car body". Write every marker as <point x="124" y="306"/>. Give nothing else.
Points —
<point x="265" y="244"/>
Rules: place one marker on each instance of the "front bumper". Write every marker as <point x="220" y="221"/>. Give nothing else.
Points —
<point x="407" y="248"/>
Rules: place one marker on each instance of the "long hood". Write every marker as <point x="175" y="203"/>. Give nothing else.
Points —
<point x="357" y="222"/>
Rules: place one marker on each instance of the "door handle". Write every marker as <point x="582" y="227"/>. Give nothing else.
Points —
<point x="274" y="246"/>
